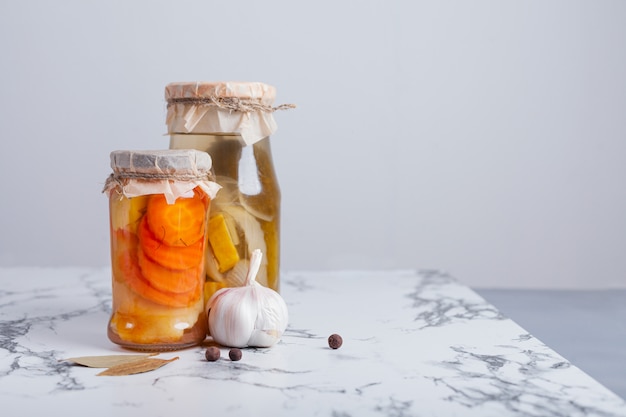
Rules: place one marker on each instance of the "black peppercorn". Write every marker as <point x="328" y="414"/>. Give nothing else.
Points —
<point x="335" y="341"/>
<point x="212" y="353"/>
<point x="235" y="354"/>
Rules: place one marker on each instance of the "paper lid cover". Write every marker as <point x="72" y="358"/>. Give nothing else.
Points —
<point x="244" y="108"/>
<point x="171" y="172"/>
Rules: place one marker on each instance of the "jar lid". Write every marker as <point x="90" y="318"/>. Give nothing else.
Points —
<point x="175" y="164"/>
<point x="171" y="172"/>
<point x="231" y="107"/>
<point x="261" y="92"/>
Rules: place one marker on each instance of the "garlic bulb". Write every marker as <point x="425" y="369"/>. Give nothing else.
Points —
<point x="251" y="315"/>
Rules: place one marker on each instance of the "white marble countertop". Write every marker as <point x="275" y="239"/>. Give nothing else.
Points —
<point x="415" y="344"/>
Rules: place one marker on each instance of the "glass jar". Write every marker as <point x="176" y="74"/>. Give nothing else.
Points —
<point x="158" y="210"/>
<point x="232" y="121"/>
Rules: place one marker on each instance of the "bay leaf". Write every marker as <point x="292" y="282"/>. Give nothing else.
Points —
<point x="108" y="361"/>
<point x="136" y="367"/>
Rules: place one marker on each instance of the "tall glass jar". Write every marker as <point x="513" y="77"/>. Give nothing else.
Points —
<point x="158" y="209"/>
<point x="232" y="121"/>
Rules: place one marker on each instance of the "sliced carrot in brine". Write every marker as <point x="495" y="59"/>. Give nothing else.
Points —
<point x="173" y="257"/>
<point x="126" y="269"/>
<point x="142" y="287"/>
<point x="178" y="224"/>
<point x="166" y="279"/>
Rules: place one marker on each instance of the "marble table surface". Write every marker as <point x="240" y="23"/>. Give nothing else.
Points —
<point x="416" y="343"/>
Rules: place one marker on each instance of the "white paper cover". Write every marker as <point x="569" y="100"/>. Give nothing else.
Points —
<point x="173" y="173"/>
<point x="198" y="118"/>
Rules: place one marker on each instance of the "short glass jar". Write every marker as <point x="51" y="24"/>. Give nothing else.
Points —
<point x="158" y="206"/>
<point x="232" y="121"/>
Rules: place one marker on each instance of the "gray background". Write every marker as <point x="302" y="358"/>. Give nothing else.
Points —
<point x="483" y="138"/>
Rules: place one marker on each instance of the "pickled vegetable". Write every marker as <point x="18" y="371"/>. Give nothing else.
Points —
<point x="222" y="244"/>
<point x="174" y="257"/>
<point x="178" y="224"/>
<point x="158" y="254"/>
<point x="248" y="203"/>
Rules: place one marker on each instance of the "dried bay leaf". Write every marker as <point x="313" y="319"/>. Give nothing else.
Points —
<point x="136" y="367"/>
<point x="108" y="361"/>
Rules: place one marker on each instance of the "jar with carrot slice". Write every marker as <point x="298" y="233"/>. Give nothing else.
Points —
<point x="159" y="203"/>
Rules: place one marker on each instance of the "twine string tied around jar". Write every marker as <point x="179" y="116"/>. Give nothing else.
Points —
<point x="230" y="103"/>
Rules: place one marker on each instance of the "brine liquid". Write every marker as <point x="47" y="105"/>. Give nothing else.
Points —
<point x="245" y="214"/>
<point x="157" y="258"/>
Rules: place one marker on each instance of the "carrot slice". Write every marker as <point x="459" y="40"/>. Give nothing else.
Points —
<point x="142" y="287"/>
<point x="178" y="224"/>
<point x="126" y="268"/>
<point x="169" y="280"/>
<point x="124" y="246"/>
<point x="173" y="257"/>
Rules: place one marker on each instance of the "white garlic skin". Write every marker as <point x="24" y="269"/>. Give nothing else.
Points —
<point x="252" y="315"/>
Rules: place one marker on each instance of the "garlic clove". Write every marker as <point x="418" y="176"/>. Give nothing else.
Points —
<point x="271" y="320"/>
<point x="228" y="315"/>
<point x="236" y="277"/>
<point x="270" y="324"/>
<point x="254" y="235"/>
<point x="251" y="315"/>
<point x="264" y="338"/>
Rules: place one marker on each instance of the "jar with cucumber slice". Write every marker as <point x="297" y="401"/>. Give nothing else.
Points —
<point x="233" y="121"/>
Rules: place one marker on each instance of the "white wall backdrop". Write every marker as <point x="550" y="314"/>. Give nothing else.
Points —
<point x="483" y="138"/>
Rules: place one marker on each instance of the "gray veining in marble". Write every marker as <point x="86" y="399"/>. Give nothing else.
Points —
<point x="415" y="344"/>
<point x="586" y="326"/>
